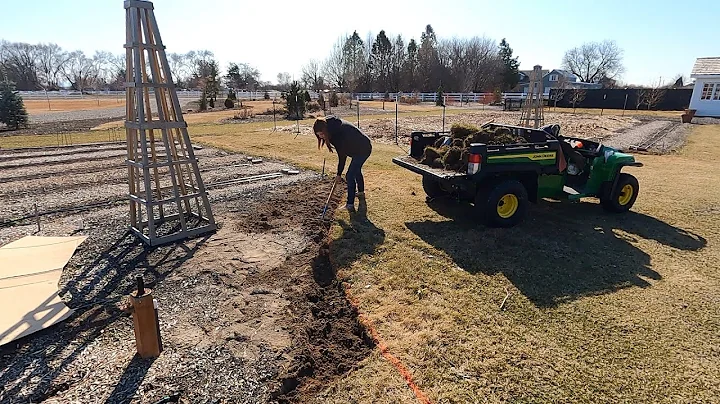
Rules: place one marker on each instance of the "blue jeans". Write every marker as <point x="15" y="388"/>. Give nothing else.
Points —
<point x="355" y="178"/>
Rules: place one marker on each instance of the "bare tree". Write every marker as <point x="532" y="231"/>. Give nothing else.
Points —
<point x="79" y="70"/>
<point x="577" y="95"/>
<point x="334" y="67"/>
<point x="594" y="61"/>
<point x="311" y="76"/>
<point x="50" y="60"/>
<point x="284" y="80"/>
<point x="651" y="96"/>
<point x="20" y="65"/>
<point x="561" y="89"/>
<point x="641" y="97"/>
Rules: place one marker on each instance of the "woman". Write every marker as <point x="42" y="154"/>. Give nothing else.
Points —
<point x="347" y="140"/>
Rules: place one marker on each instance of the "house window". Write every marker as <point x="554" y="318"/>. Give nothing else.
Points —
<point x="553" y="77"/>
<point x="707" y="91"/>
<point x="716" y="97"/>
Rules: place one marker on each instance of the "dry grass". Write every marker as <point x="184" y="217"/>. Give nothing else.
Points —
<point x="602" y="309"/>
<point x="617" y="112"/>
<point x="59" y="105"/>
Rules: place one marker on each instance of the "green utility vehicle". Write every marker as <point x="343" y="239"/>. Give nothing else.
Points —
<point x="502" y="180"/>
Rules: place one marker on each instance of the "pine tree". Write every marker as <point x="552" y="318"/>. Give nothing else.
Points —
<point x="510" y="74"/>
<point x="295" y="101"/>
<point x="440" y="98"/>
<point x="12" y="109"/>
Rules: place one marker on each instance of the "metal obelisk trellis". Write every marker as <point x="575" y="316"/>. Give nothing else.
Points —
<point x="168" y="200"/>
<point x="533" y="107"/>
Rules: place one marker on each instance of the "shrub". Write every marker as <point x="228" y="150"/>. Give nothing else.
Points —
<point x="306" y="95"/>
<point x="343" y="100"/>
<point x="313" y="106"/>
<point x="211" y="101"/>
<point x="12" y="109"/>
<point x="386" y="97"/>
<point x="409" y="100"/>
<point x="334" y="99"/>
<point x="321" y="101"/>
<point x="245" y="113"/>
<point x="229" y="104"/>
<point x="231" y="96"/>
<point x="266" y="95"/>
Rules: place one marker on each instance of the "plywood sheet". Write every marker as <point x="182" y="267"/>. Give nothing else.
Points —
<point x="29" y="272"/>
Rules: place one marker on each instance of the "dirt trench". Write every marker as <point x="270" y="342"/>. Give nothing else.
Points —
<point x="328" y="339"/>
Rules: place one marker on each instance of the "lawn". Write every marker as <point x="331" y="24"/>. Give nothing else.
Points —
<point x="601" y="308"/>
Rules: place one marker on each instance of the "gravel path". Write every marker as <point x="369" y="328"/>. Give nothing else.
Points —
<point x="659" y="136"/>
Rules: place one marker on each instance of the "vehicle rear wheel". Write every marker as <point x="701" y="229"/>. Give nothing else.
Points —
<point x="432" y="187"/>
<point x="505" y="205"/>
<point x="623" y="196"/>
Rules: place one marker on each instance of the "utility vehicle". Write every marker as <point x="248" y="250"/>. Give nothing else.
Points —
<point x="502" y="179"/>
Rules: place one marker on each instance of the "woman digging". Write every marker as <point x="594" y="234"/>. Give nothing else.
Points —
<point x="348" y="141"/>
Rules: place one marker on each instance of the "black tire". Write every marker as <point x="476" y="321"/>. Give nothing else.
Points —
<point x="504" y="205"/>
<point x="432" y="187"/>
<point x="618" y="200"/>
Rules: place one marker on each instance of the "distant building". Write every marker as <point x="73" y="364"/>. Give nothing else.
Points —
<point x="555" y="78"/>
<point x="706" y="92"/>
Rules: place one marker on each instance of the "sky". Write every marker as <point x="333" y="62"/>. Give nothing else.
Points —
<point x="660" y="39"/>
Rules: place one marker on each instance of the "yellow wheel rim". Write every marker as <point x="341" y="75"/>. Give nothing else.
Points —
<point x="626" y="193"/>
<point x="507" y="206"/>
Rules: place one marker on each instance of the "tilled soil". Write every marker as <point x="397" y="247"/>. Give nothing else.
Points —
<point x="40" y="126"/>
<point x="251" y="313"/>
<point x="580" y="125"/>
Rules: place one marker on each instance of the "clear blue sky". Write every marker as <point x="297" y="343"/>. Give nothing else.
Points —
<point x="660" y="38"/>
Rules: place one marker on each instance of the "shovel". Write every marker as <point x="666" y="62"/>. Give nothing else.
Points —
<point x="327" y="203"/>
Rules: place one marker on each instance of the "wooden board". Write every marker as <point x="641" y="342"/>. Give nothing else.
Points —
<point x="29" y="272"/>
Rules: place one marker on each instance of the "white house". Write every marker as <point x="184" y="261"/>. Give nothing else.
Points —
<point x="706" y="93"/>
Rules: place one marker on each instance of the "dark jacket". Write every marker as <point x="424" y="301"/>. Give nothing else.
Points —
<point x="347" y="140"/>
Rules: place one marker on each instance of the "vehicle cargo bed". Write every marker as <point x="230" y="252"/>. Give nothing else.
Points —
<point x="414" y="165"/>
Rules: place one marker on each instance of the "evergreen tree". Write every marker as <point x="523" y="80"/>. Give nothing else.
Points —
<point x="440" y="98"/>
<point x="12" y="109"/>
<point x="510" y="73"/>
<point x="295" y="101"/>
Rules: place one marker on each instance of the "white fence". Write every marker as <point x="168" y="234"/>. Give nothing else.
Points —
<point x="484" y="98"/>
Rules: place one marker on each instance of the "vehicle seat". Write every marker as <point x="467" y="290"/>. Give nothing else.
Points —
<point x="573" y="156"/>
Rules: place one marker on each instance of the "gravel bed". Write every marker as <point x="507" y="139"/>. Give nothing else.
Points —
<point x="658" y="136"/>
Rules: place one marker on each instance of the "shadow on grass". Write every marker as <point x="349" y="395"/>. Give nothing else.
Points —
<point x="31" y="368"/>
<point x="563" y="251"/>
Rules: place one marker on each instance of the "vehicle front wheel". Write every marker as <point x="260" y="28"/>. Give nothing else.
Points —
<point x="432" y="187"/>
<point x="623" y="196"/>
<point x="505" y="205"/>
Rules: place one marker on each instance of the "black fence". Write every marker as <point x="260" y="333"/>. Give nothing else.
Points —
<point x="671" y="99"/>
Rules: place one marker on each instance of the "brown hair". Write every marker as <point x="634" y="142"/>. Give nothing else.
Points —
<point x="321" y="125"/>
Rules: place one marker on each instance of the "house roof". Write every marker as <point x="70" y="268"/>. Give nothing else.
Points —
<point x="529" y="72"/>
<point x="705" y="66"/>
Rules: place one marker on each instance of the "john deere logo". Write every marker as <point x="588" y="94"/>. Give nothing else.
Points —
<point x="543" y="156"/>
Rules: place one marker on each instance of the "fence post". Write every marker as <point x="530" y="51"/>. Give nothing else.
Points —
<point x="396" y="119"/>
<point x="358" y="111"/>
<point x="625" y="104"/>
